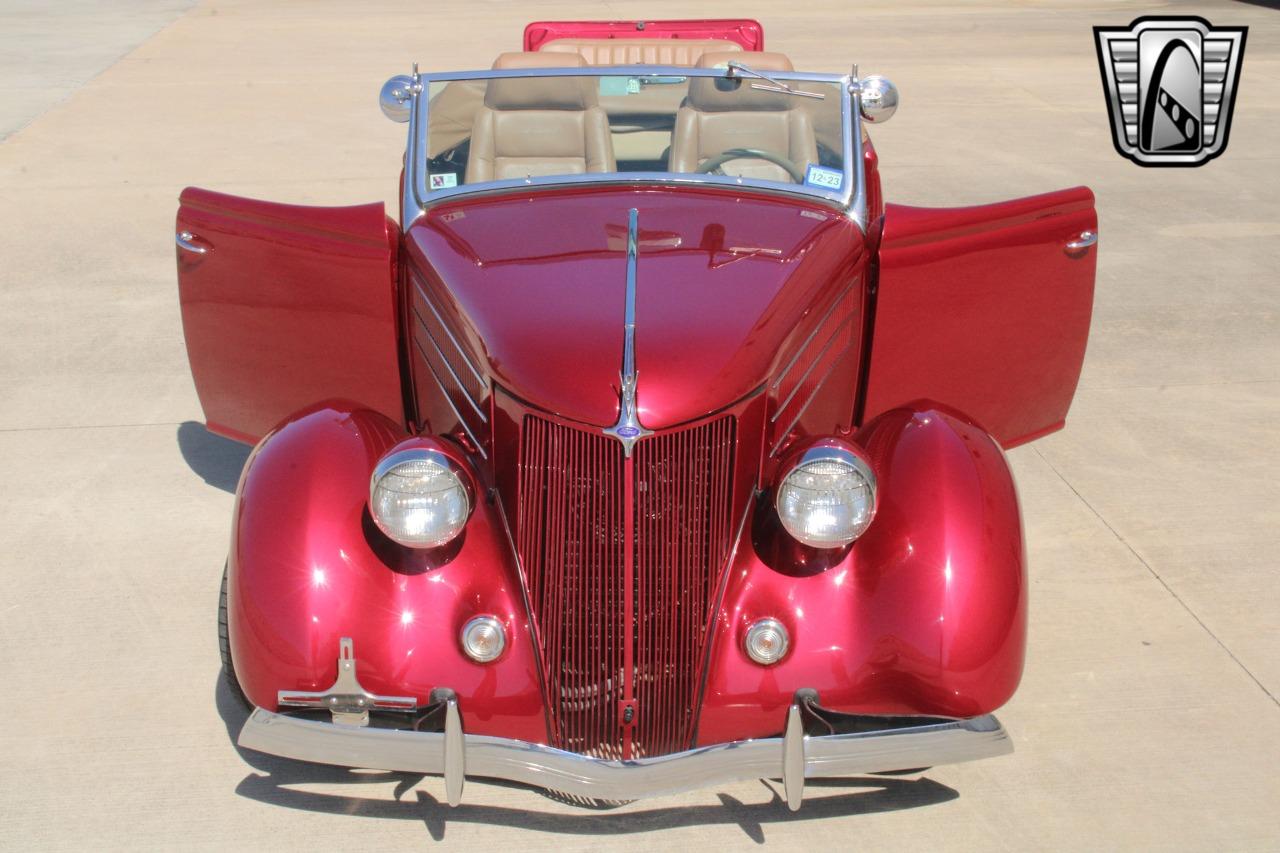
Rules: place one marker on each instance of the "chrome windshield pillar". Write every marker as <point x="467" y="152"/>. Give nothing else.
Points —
<point x="415" y="150"/>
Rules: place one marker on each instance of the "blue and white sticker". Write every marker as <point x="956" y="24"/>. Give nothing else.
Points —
<point x="821" y="176"/>
<point x="443" y="181"/>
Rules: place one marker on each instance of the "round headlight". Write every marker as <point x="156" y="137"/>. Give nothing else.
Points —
<point x="828" y="499"/>
<point x="418" y="498"/>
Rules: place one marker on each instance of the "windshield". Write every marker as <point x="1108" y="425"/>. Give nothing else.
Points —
<point x="784" y="131"/>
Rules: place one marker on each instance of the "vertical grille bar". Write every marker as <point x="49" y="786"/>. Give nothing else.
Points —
<point x="683" y="521"/>
<point x="594" y="620"/>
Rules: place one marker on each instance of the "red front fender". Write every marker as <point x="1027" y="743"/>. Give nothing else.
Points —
<point x="308" y="567"/>
<point x="925" y="615"/>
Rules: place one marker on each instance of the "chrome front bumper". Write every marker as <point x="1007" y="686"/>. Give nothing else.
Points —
<point x="793" y="757"/>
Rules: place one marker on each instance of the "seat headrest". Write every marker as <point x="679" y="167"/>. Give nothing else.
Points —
<point x="715" y="94"/>
<point x="540" y="93"/>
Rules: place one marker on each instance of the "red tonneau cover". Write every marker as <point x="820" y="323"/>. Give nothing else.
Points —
<point x="744" y="31"/>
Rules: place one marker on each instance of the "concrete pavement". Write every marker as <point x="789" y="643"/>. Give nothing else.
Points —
<point x="1148" y="715"/>
<point x="51" y="50"/>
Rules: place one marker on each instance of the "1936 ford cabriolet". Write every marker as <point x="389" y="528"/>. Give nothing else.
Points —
<point x="651" y="449"/>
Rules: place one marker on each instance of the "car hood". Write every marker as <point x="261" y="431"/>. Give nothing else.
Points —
<point x="724" y="279"/>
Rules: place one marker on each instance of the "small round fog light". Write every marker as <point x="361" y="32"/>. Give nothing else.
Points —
<point x="767" y="641"/>
<point x="483" y="639"/>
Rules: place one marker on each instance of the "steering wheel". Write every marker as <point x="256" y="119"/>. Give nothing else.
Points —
<point x="713" y="165"/>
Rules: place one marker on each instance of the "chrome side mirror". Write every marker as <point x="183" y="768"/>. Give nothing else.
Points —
<point x="396" y="98"/>
<point x="879" y="99"/>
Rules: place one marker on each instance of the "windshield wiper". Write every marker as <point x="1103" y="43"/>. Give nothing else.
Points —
<point x="776" y="85"/>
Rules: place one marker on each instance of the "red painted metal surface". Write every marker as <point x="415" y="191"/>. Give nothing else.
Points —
<point x="984" y="310"/>
<point x="744" y="31"/>
<point x="925" y="614"/>
<point x="871" y="174"/>
<point x="728" y="283"/>
<point x="752" y="312"/>
<point x="307" y="567"/>
<point x="287" y="307"/>
<point x="623" y="560"/>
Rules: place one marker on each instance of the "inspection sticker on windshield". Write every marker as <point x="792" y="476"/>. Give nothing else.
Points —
<point x="444" y="181"/>
<point x="820" y="176"/>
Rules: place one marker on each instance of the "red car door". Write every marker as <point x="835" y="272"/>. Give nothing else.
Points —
<point x="286" y="306"/>
<point x="986" y="310"/>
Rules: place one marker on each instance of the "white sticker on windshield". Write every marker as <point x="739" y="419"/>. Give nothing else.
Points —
<point x="820" y="176"/>
<point x="444" y="181"/>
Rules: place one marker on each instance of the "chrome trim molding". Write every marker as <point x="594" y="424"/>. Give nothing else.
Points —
<point x="457" y="380"/>
<point x="347" y="702"/>
<point x="793" y="757"/>
<point x="783" y="435"/>
<point x="415" y="153"/>
<point x="466" y="359"/>
<point x="817" y="327"/>
<point x="817" y="358"/>
<point x="618" y="71"/>
<point x="628" y="429"/>
<point x="453" y="407"/>
<point x="853" y="148"/>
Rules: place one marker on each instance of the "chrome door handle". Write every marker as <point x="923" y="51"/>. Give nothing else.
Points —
<point x="1084" y="241"/>
<point x="184" y="240"/>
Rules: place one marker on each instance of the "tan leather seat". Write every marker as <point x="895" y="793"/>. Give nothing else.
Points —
<point x="531" y="126"/>
<point x="640" y="51"/>
<point x="712" y="121"/>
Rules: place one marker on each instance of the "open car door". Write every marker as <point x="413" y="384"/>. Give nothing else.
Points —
<point x="286" y="306"/>
<point x="985" y="310"/>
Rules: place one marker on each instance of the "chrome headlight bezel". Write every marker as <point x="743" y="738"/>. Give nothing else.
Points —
<point x="461" y="480"/>
<point x="827" y="452"/>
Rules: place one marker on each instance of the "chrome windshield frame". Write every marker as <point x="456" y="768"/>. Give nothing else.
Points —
<point x="417" y="197"/>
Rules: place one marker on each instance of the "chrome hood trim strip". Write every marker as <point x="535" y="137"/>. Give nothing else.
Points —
<point x="628" y="429"/>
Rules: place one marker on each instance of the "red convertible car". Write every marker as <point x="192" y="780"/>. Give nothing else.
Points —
<point x="650" y="449"/>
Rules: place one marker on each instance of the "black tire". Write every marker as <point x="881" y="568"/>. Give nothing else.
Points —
<point x="224" y="646"/>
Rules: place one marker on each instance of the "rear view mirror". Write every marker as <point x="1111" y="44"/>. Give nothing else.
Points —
<point x="879" y="98"/>
<point x="396" y="98"/>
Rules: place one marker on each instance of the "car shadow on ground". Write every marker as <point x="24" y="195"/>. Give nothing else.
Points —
<point x="275" y="779"/>
<point x="217" y="460"/>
